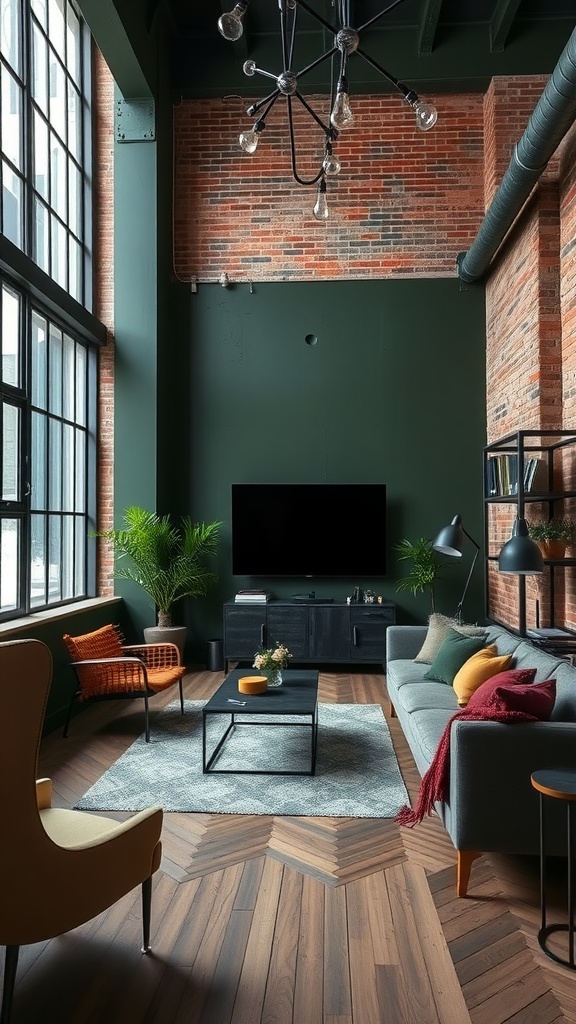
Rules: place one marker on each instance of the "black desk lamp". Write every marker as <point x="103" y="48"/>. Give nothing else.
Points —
<point x="450" y="541"/>
<point x="520" y="555"/>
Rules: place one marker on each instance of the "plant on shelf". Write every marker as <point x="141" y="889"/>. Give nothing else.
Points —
<point x="425" y="570"/>
<point x="168" y="561"/>
<point x="553" y="535"/>
<point x="560" y="528"/>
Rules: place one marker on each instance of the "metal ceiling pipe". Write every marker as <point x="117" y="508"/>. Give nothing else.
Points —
<point x="552" y="117"/>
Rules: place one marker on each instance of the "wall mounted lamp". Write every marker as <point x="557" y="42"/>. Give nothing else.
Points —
<point x="345" y="44"/>
<point x="450" y="541"/>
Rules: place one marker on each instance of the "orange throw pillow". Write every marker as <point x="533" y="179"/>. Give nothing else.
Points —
<point x="480" y="667"/>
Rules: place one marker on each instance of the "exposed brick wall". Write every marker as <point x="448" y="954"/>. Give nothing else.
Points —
<point x="103" y="149"/>
<point x="405" y="202"/>
<point x="531" y="350"/>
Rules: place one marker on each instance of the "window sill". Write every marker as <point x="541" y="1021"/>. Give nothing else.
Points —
<point x="53" y="615"/>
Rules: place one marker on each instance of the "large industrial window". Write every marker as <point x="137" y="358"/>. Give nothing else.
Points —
<point x="48" y="368"/>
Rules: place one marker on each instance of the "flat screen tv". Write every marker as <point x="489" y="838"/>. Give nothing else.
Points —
<point x="309" y="530"/>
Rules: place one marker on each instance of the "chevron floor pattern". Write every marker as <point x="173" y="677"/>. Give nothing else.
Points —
<point x="399" y="947"/>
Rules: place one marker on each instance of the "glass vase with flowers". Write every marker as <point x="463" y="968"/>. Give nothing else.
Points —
<point x="270" y="661"/>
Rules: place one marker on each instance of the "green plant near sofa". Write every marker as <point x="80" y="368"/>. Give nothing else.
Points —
<point x="559" y="528"/>
<point x="425" y="570"/>
<point x="168" y="561"/>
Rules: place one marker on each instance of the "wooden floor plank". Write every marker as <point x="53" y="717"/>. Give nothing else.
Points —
<point x="346" y="921"/>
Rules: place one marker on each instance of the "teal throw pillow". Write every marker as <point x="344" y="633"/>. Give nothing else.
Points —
<point x="454" y="650"/>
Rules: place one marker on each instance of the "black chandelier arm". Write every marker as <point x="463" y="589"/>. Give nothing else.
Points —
<point x="319" y="17"/>
<point x="377" y="17"/>
<point x="315" y="63"/>
<point x="326" y="128"/>
<point x="301" y="181"/>
<point x="394" y="81"/>
<point x="271" y="98"/>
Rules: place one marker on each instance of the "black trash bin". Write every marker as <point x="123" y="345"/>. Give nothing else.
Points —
<point x="215" y="656"/>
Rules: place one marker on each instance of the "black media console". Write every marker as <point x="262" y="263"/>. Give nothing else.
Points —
<point x="331" y="632"/>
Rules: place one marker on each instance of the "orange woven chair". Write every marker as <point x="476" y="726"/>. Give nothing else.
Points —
<point x="108" y="669"/>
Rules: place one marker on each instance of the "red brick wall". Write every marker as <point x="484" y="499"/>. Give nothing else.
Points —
<point x="103" y="149"/>
<point x="531" y="350"/>
<point x="405" y="202"/>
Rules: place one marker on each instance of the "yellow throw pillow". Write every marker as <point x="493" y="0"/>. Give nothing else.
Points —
<point x="480" y="667"/>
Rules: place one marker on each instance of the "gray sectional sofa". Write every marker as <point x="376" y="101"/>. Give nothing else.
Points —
<point x="491" y="805"/>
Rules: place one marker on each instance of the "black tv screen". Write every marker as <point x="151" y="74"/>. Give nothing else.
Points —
<point x="308" y="530"/>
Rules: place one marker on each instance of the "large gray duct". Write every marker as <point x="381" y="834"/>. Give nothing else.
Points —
<point x="552" y="117"/>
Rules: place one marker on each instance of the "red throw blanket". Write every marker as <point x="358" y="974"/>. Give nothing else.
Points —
<point x="434" y="785"/>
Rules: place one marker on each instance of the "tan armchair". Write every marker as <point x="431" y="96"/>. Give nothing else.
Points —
<point x="58" y="867"/>
<point x="108" y="669"/>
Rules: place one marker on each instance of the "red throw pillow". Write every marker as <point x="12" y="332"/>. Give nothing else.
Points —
<point x="515" y="690"/>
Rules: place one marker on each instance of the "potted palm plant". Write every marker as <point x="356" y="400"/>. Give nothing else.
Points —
<point x="168" y="561"/>
<point x="425" y="570"/>
<point x="553" y="535"/>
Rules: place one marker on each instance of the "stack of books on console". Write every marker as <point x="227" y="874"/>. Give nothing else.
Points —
<point x="252" y="597"/>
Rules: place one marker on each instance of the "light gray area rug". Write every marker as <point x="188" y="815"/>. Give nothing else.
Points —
<point x="357" y="773"/>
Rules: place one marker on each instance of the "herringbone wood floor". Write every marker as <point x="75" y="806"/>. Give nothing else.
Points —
<point x="294" y="921"/>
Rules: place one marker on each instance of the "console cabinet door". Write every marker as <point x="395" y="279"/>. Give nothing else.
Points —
<point x="244" y="630"/>
<point x="288" y="624"/>
<point x="329" y="633"/>
<point x="368" y="632"/>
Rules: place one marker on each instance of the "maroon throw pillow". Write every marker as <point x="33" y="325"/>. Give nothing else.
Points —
<point x="510" y="677"/>
<point x="514" y="690"/>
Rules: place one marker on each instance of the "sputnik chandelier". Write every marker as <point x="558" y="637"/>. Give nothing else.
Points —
<point x="341" y="117"/>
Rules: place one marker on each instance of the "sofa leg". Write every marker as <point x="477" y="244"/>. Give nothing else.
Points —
<point x="464" y="864"/>
<point x="392" y="710"/>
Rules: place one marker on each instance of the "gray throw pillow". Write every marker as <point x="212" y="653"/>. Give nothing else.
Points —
<point x="438" y="627"/>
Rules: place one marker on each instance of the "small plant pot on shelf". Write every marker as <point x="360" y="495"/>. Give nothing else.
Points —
<point x="552" y="550"/>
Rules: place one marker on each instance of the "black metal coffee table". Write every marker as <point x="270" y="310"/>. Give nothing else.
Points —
<point x="297" y="696"/>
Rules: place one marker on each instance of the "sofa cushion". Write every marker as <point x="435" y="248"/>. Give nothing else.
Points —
<point x="454" y="651"/>
<point x="515" y="690"/>
<point x="480" y="667"/>
<point x="419" y="696"/>
<point x="438" y="626"/>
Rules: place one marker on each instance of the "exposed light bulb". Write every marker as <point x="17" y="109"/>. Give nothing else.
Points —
<point x="248" y="141"/>
<point x="426" y="115"/>
<point x="249" y="67"/>
<point x="320" y="210"/>
<point x="331" y="164"/>
<point x="341" y="116"/>
<point x="230" y="24"/>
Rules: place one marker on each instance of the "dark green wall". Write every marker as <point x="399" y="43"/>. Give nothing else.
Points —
<point x="393" y="391"/>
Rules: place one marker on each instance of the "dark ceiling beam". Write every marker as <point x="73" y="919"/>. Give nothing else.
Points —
<point x="501" y="23"/>
<point x="107" y="27"/>
<point x="427" y="26"/>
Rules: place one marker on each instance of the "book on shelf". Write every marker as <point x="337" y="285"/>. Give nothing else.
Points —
<point x="535" y="475"/>
<point x="501" y="475"/>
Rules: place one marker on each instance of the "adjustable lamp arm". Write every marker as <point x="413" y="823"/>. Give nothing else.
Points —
<point x="458" y="615"/>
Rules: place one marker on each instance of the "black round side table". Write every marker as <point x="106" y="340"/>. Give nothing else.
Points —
<point x="560" y="784"/>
